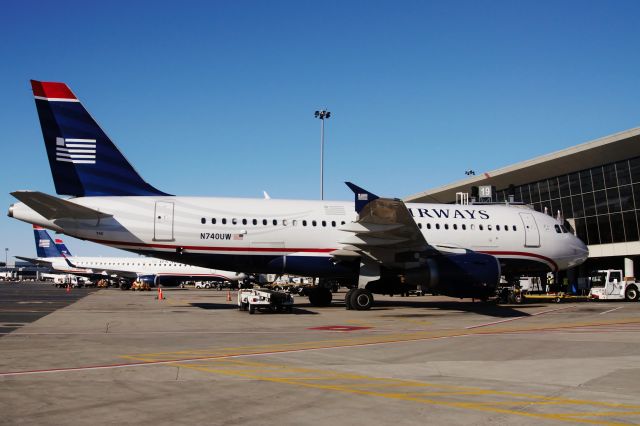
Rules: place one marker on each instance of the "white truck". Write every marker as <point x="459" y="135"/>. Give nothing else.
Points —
<point x="609" y="284"/>
<point x="251" y="299"/>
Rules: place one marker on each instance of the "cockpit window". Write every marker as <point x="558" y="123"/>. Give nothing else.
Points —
<point x="558" y="230"/>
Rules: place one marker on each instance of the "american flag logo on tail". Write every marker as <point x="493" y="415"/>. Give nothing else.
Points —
<point x="76" y="151"/>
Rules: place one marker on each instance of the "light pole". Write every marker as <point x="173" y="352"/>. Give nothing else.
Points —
<point x="6" y="256"/>
<point x="322" y="115"/>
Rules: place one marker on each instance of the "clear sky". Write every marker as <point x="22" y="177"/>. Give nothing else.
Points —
<point x="216" y="98"/>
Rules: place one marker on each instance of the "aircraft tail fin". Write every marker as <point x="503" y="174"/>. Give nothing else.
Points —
<point x="83" y="160"/>
<point x="362" y="196"/>
<point x="62" y="247"/>
<point x="45" y="247"/>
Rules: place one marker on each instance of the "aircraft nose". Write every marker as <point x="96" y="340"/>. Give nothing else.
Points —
<point x="580" y="251"/>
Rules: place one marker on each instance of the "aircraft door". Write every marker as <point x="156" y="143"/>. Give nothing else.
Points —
<point x="531" y="233"/>
<point x="163" y="221"/>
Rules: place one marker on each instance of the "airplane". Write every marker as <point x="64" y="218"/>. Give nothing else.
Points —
<point x="128" y="269"/>
<point x="372" y="245"/>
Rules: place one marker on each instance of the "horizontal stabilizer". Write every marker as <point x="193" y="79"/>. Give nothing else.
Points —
<point x="52" y="207"/>
<point x="34" y="261"/>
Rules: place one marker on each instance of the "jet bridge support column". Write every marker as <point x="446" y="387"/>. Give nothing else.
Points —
<point x="629" y="268"/>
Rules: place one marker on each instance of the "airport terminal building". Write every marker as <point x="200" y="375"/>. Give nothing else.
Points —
<point x="595" y="186"/>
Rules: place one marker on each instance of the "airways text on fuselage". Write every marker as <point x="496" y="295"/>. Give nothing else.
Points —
<point x="448" y="213"/>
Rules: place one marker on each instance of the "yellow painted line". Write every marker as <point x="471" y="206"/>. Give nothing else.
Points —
<point x="404" y="397"/>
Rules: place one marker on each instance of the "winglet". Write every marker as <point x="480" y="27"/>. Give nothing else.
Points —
<point x="362" y="196"/>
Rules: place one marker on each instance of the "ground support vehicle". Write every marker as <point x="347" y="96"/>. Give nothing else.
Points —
<point x="253" y="299"/>
<point x="609" y="284"/>
<point x="140" y="286"/>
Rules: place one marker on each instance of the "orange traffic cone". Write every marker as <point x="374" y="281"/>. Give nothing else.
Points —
<point x="160" y="296"/>
<point x="68" y="288"/>
<point x="228" y="295"/>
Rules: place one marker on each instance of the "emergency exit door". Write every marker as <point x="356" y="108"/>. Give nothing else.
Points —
<point x="163" y="221"/>
<point x="531" y="233"/>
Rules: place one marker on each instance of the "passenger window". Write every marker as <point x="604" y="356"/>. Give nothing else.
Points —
<point x="314" y="223"/>
<point x="446" y="226"/>
<point x="506" y="227"/>
<point x="455" y="226"/>
<point x="275" y="222"/>
<point x="428" y="226"/>
<point x="264" y="222"/>
<point x="284" y="222"/>
<point x="437" y="226"/>
<point x="213" y="220"/>
<point x="513" y="227"/>
<point x="234" y="221"/>
<point x="333" y="223"/>
<point x="488" y="227"/>
<point x="464" y="227"/>
<point x="294" y="222"/>
<point x="203" y="220"/>
<point x="497" y="227"/>
<point x="304" y="223"/>
<point x="324" y="223"/>
<point x="255" y="221"/>
<point x="244" y="221"/>
<point x="342" y="222"/>
<point x="224" y="220"/>
<point x="480" y="227"/>
<point x="420" y="225"/>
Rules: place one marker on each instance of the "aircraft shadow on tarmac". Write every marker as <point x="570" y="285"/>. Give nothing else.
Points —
<point x="220" y="306"/>
<point x="489" y="309"/>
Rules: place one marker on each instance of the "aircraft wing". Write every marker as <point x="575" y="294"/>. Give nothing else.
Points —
<point x="52" y="207"/>
<point x="35" y="260"/>
<point x="385" y="231"/>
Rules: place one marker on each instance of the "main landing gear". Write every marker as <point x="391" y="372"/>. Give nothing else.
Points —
<point x="358" y="299"/>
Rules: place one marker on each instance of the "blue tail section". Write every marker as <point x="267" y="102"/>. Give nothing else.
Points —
<point x="62" y="248"/>
<point x="362" y="196"/>
<point x="83" y="160"/>
<point x="45" y="247"/>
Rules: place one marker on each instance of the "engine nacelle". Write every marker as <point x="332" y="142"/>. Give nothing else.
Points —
<point x="469" y="274"/>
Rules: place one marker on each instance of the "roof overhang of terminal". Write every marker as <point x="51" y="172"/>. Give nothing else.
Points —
<point x="605" y="150"/>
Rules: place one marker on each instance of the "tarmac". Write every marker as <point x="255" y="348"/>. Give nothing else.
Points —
<point x="114" y="357"/>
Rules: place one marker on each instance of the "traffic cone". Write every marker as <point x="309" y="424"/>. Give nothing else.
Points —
<point x="160" y="296"/>
<point x="228" y="295"/>
<point x="68" y="288"/>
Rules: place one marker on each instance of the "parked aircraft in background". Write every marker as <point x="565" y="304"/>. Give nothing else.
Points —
<point x="375" y="245"/>
<point x="127" y="269"/>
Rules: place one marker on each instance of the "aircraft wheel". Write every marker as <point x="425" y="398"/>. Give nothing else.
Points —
<point x="347" y="298"/>
<point x="631" y="294"/>
<point x="320" y="296"/>
<point x="252" y="310"/>
<point x="361" y="299"/>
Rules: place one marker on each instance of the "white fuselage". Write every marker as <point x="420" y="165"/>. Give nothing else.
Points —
<point x="247" y="234"/>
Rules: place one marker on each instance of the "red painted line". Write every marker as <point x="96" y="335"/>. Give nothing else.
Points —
<point x="207" y="358"/>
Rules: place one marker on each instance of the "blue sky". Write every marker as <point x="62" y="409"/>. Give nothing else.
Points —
<point x="217" y="98"/>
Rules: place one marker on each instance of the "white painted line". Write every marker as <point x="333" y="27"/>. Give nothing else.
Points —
<point x="518" y="318"/>
<point x="611" y="310"/>
<point x="214" y="357"/>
